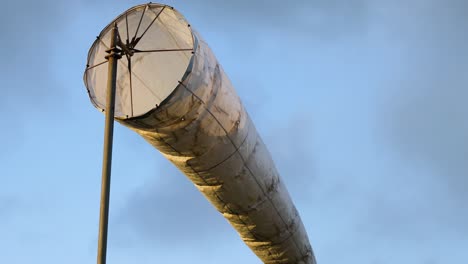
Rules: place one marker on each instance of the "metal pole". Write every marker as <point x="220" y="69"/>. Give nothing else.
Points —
<point x="108" y="140"/>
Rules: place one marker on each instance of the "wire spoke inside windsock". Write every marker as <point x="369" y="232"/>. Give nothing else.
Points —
<point x="129" y="64"/>
<point x="93" y="66"/>
<point x="162" y="50"/>
<point x="126" y="23"/>
<point x="144" y="32"/>
<point x="139" y="23"/>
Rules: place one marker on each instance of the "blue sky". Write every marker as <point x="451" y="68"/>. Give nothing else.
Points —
<point x="362" y="104"/>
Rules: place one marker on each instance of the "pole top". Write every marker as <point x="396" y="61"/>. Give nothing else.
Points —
<point x="155" y="44"/>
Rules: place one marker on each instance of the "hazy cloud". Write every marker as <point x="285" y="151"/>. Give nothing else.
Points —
<point x="427" y="118"/>
<point x="28" y="33"/>
<point x="291" y="146"/>
<point x="168" y="208"/>
<point x="7" y="205"/>
<point x="318" y="18"/>
<point x="418" y="198"/>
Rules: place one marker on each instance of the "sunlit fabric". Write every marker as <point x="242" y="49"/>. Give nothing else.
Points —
<point x="172" y="91"/>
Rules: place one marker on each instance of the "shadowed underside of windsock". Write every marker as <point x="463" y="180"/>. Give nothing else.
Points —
<point x="172" y="91"/>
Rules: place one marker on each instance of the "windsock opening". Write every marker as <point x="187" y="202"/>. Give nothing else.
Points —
<point x="156" y="45"/>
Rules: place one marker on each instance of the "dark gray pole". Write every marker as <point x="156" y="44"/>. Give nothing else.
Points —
<point x="108" y="139"/>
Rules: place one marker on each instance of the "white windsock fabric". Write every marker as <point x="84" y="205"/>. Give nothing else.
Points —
<point x="201" y="126"/>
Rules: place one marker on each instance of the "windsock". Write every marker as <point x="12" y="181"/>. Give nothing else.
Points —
<point x="172" y="91"/>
